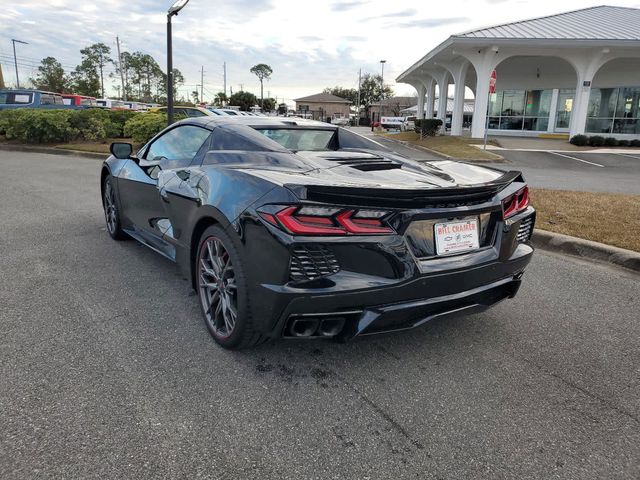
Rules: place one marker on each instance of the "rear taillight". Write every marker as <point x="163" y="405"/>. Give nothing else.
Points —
<point x="328" y="221"/>
<point x="515" y="203"/>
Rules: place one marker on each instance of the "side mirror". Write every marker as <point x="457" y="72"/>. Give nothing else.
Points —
<point x="121" y="150"/>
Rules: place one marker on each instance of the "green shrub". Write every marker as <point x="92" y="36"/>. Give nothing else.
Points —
<point x="596" y="141"/>
<point x="40" y="126"/>
<point x="7" y="117"/>
<point x="118" y="119"/>
<point x="635" y="142"/>
<point x="579" y="140"/>
<point x="92" y="124"/>
<point x="427" y="127"/>
<point x="611" y="142"/>
<point x="49" y="126"/>
<point x="142" y="128"/>
<point x="623" y="143"/>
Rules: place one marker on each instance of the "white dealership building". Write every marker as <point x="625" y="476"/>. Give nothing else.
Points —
<point x="566" y="74"/>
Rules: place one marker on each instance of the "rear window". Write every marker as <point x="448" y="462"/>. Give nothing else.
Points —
<point x="47" y="100"/>
<point x="301" y="139"/>
<point x="11" y="98"/>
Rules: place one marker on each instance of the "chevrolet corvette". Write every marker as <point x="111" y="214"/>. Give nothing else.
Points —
<point x="293" y="228"/>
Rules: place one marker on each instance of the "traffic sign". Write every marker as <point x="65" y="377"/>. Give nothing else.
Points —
<point x="492" y="82"/>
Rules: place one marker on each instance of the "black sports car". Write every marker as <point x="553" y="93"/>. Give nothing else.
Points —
<point x="294" y="228"/>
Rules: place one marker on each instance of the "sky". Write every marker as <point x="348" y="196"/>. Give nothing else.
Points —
<point x="310" y="45"/>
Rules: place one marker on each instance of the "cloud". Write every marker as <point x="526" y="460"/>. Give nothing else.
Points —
<point x="344" y="6"/>
<point x="310" y="45"/>
<point x="432" y="22"/>
<point x="410" y="12"/>
<point x="354" y="38"/>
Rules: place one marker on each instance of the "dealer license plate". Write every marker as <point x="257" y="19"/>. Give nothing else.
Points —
<point x="456" y="237"/>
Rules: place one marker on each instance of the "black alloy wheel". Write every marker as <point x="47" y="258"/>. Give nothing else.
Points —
<point x="111" y="214"/>
<point x="218" y="288"/>
<point x="221" y="288"/>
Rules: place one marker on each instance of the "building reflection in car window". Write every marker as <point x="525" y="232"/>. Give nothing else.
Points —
<point x="301" y="139"/>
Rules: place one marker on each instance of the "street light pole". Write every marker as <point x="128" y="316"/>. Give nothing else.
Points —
<point x="175" y="8"/>
<point x="15" y="58"/>
<point x="169" y="73"/>
<point x="382" y="62"/>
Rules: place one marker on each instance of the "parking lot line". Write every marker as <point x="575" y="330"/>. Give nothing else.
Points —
<point x="578" y="159"/>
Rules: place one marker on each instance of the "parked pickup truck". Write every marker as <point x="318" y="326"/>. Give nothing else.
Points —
<point x="32" y="99"/>
<point x="340" y="121"/>
<point x="394" y="123"/>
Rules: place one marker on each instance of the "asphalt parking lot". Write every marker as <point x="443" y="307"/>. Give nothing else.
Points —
<point x="591" y="172"/>
<point x="107" y="370"/>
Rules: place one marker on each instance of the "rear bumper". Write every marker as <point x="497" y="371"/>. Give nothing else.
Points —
<point x="405" y="305"/>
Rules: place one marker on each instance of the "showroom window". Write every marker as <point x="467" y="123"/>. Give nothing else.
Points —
<point x="614" y="110"/>
<point x="520" y="110"/>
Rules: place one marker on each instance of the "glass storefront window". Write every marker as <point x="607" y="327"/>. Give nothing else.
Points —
<point x="602" y="102"/>
<point x="511" y="123"/>
<point x="565" y="106"/>
<point x="627" y="125"/>
<point x="536" y="123"/>
<point x="599" y="125"/>
<point x="512" y="103"/>
<point x="628" y="103"/>
<point x="538" y="103"/>
<point x="614" y="110"/>
<point x="520" y="110"/>
<point x="495" y="104"/>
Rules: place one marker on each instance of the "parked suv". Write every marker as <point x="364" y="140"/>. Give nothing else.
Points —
<point x="31" y="99"/>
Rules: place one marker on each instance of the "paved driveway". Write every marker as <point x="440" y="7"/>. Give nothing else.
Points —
<point x="107" y="371"/>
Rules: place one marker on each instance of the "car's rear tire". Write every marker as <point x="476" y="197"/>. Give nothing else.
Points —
<point x="111" y="212"/>
<point x="222" y="291"/>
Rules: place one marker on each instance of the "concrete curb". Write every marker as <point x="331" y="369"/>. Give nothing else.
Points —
<point x="578" y="247"/>
<point x="52" y="151"/>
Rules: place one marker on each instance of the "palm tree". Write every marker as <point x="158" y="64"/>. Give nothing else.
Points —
<point x="220" y="99"/>
<point x="262" y="71"/>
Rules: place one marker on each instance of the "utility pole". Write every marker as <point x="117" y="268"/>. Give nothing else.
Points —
<point x="358" y="106"/>
<point x="1" y="78"/>
<point x="124" y="90"/>
<point x="202" y="85"/>
<point x="382" y="62"/>
<point x="242" y="87"/>
<point x="224" y="72"/>
<point x="15" y="58"/>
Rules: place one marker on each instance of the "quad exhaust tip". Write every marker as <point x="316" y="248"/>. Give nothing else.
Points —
<point x="330" y="327"/>
<point x="305" y="327"/>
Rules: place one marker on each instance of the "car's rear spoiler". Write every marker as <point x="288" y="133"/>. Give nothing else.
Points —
<point x="407" y="198"/>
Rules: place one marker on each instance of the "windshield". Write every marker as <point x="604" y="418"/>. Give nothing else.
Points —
<point x="7" y="98"/>
<point x="301" y="139"/>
